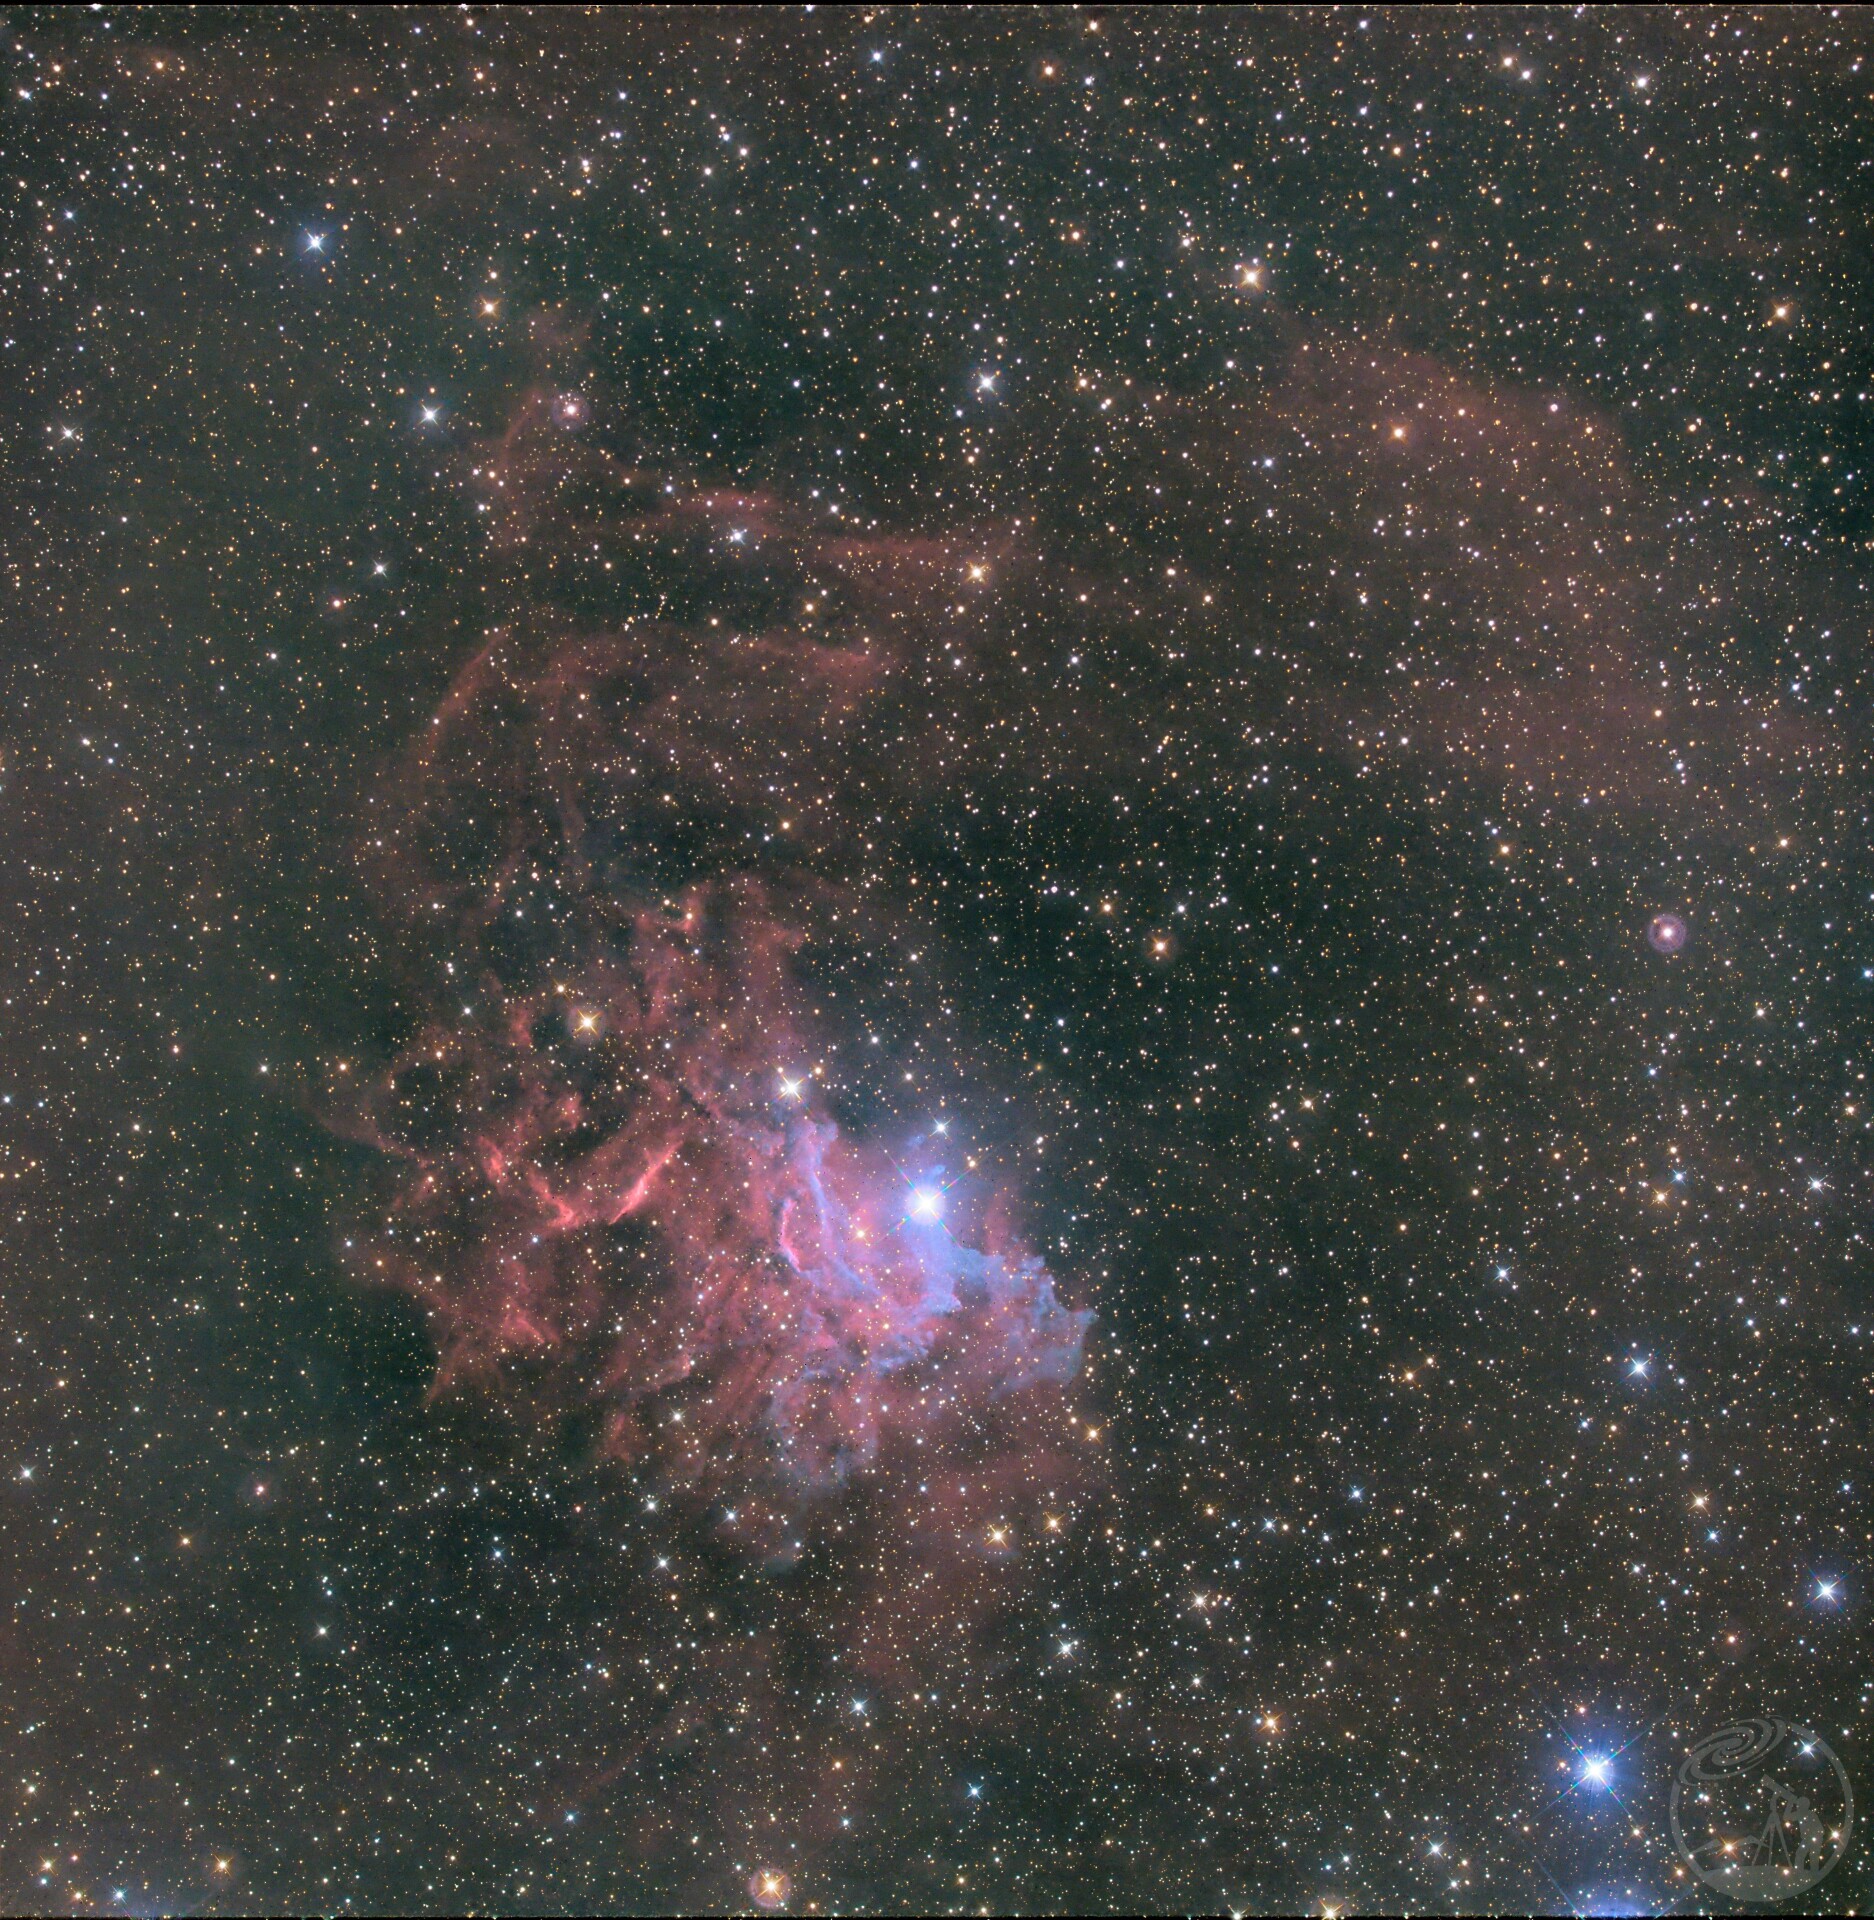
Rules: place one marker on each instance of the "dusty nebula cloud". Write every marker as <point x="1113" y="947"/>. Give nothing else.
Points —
<point x="637" y="1172"/>
<point x="621" y="1180"/>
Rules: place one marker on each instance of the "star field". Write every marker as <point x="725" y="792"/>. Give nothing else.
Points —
<point x="940" y="952"/>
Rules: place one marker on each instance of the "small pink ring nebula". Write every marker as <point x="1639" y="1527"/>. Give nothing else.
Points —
<point x="769" y="1887"/>
<point x="1666" y="933"/>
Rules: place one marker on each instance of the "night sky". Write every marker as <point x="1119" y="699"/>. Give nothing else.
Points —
<point x="938" y="952"/>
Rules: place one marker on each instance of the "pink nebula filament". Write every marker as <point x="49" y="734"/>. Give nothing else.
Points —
<point x="746" y="1290"/>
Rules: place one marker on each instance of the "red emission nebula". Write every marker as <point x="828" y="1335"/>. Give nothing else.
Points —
<point x="618" y="1181"/>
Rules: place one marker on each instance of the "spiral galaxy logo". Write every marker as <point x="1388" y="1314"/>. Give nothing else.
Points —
<point x="1762" y="1810"/>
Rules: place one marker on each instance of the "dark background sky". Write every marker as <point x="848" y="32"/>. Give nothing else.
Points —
<point x="1353" y="514"/>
